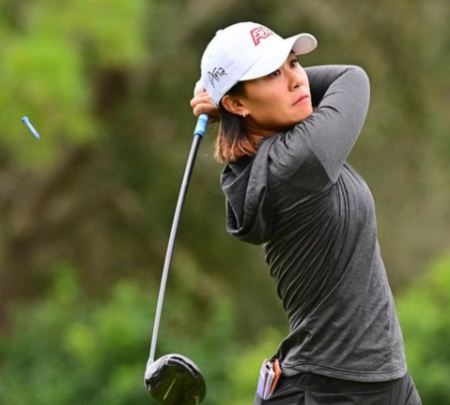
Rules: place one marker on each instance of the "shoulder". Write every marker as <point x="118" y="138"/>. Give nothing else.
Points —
<point x="292" y="161"/>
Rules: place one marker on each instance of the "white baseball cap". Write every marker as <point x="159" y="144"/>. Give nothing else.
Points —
<point x="246" y="51"/>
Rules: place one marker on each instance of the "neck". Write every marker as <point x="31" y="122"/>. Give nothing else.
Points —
<point x="258" y="133"/>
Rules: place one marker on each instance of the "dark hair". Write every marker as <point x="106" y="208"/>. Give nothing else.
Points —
<point x="233" y="141"/>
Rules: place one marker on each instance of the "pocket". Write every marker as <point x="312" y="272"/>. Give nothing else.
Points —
<point x="287" y="392"/>
<point x="405" y="392"/>
<point x="380" y="397"/>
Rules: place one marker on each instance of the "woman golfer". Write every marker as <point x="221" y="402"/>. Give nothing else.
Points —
<point x="289" y="187"/>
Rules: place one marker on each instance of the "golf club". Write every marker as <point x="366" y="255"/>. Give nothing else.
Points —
<point x="174" y="379"/>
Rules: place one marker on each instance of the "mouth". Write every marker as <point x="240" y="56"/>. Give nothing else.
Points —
<point x="302" y="99"/>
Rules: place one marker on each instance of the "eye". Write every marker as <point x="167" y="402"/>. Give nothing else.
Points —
<point x="274" y="74"/>
<point x="294" y="63"/>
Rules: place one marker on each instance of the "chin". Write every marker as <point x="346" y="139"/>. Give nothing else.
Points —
<point x="299" y="118"/>
<point x="288" y="127"/>
<point x="305" y="116"/>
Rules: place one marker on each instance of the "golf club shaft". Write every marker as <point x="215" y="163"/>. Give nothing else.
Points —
<point x="198" y="135"/>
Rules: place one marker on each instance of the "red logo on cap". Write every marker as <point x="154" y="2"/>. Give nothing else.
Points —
<point x="260" y="33"/>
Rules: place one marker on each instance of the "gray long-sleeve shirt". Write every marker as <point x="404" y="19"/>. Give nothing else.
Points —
<point x="315" y="216"/>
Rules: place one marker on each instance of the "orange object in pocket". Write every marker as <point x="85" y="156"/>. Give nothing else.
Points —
<point x="277" y="372"/>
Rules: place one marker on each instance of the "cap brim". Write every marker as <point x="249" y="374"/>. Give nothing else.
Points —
<point x="275" y="56"/>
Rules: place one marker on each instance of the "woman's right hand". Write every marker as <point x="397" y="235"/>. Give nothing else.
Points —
<point x="202" y="104"/>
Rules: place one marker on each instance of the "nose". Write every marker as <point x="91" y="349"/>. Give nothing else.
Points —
<point x="295" y="79"/>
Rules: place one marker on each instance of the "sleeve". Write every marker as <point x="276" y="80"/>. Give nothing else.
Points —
<point x="320" y="145"/>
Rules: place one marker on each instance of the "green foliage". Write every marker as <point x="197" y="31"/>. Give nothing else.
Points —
<point x="112" y="31"/>
<point x="50" y="63"/>
<point x="68" y="349"/>
<point x="244" y="370"/>
<point x="425" y="318"/>
<point x="43" y="78"/>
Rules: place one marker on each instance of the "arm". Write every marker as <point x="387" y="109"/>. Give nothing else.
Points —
<point x="321" y="78"/>
<point x="326" y="138"/>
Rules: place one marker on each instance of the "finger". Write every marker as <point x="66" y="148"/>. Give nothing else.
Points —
<point x="203" y="98"/>
<point x="195" y="101"/>
<point x="204" y="108"/>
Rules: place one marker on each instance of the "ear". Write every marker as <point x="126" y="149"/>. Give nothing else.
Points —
<point x="234" y="105"/>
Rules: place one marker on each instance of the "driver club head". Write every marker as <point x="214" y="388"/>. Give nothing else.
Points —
<point x="175" y="380"/>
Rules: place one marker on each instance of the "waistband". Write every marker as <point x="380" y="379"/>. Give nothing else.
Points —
<point x="315" y="382"/>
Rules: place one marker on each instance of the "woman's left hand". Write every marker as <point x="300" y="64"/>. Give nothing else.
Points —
<point x="202" y="104"/>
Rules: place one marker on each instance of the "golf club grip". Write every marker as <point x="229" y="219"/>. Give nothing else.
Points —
<point x="202" y="124"/>
<point x="200" y="130"/>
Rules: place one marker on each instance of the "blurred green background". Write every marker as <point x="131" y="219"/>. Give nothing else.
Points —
<point x="86" y="211"/>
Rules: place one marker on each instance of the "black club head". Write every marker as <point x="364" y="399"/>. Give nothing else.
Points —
<point x="175" y="380"/>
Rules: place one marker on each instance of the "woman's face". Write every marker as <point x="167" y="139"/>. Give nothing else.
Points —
<point x="278" y="101"/>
